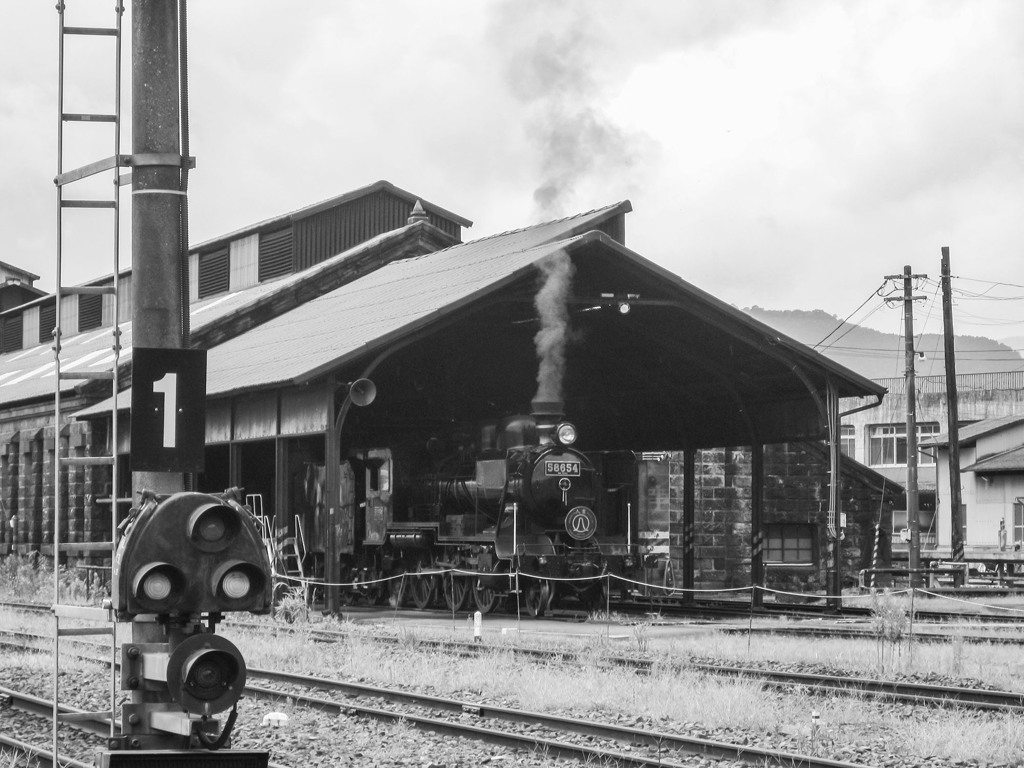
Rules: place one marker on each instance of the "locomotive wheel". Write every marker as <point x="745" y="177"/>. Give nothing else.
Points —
<point x="537" y="596"/>
<point x="486" y="599"/>
<point x="456" y="591"/>
<point x="422" y="589"/>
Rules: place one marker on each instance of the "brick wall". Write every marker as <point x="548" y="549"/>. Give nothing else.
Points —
<point x="796" y="490"/>
<point x="27" y="486"/>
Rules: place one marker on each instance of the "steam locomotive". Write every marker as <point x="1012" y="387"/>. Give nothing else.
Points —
<point x="515" y="512"/>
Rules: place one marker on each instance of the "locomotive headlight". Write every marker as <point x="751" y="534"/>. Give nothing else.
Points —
<point x="566" y="433"/>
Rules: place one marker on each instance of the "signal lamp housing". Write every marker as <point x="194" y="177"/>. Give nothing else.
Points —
<point x="206" y="674"/>
<point x="190" y="554"/>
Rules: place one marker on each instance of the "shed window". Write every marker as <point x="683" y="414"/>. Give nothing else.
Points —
<point x="790" y="543"/>
<point x="10" y="333"/>
<point x="47" y="322"/>
<point x="275" y="254"/>
<point x="213" y="273"/>
<point x="90" y="312"/>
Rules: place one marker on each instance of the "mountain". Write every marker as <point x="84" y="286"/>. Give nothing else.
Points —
<point x="878" y="355"/>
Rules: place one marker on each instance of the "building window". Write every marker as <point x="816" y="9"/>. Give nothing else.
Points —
<point x="887" y="445"/>
<point x="1018" y="524"/>
<point x="848" y="440"/>
<point x="789" y="543"/>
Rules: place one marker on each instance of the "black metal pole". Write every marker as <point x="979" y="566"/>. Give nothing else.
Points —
<point x="689" y="523"/>
<point x="952" y="418"/>
<point x="913" y="519"/>
<point x="757" y="570"/>
<point x="156" y="194"/>
<point x="156" y="233"/>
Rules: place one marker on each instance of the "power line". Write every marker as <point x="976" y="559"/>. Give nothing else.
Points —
<point x="858" y="309"/>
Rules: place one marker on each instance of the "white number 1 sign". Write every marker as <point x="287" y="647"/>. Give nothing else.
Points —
<point x="168" y="428"/>
<point x="167" y="385"/>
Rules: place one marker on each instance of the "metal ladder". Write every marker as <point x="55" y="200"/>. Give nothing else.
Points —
<point x="100" y="620"/>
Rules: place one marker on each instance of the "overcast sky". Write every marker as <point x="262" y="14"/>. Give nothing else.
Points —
<point x="788" y="155"/>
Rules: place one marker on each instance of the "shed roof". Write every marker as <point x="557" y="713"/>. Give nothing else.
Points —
<point x="450" y="335"/>
<point x="684" y="363"/>
<point x="309" y="210"/>
<point x="28" y="374"/>
<point x="1007" y="461"/>
<point x="970" y="433"/>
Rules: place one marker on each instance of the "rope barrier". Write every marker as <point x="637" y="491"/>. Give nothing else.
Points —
<point x="653" y="589"/>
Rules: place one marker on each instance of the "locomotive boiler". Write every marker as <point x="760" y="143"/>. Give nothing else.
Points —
<point x="514" y="511"/>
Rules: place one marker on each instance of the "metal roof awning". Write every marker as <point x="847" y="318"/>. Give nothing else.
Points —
<point x="681" y="357"/>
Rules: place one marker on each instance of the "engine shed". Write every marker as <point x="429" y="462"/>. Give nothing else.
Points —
<point x="564" y="311"/>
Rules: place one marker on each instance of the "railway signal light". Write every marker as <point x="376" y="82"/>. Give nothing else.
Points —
<point x="182" y="562"/>
<point x="190" y="554"/>
<point x="202" y="675"/>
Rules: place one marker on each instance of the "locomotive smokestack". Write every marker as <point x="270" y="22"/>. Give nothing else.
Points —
<point x="548" y="409"/>
<point x="547" y="414"/>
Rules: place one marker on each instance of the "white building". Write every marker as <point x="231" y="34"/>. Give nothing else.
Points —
<point x="992" y="482"/>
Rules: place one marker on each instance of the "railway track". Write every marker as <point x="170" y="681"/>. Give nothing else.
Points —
<point x="91" y="729"/>
<point x="491" y="723"/>
<point x="908" y="692"/>
<point x="554" y="736"/>
<point x="854" y="633"/>
<point x="584" y="740"/>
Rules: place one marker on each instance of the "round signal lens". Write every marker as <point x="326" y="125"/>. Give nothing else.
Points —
<point x="566" y="433"/>
<point x="209" y="673"/>
<point x="157" y="586"/>
<point x="211" y="527"/>
<point x="236" y="584"/>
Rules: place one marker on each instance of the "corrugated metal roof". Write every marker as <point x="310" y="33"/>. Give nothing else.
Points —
<point x="396" y="299"/>
<point x="322" y="333"/>
<point x="299" y="343"/>
<point x="403" y="297"/>
<point x="29" y="374"/>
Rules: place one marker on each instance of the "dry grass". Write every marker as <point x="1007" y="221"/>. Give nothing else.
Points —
<point x="673" y="694"/>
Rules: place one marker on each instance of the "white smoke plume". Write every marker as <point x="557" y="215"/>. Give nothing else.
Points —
<point x="557" y="66"/>
<point x="553" y="337"/>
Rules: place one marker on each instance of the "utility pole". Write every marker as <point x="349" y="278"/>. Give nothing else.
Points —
<point x="156" y="229"/>
<point x="156" y="241"/>
<point x="913" y="514"/>
<point x="952" y="419"/>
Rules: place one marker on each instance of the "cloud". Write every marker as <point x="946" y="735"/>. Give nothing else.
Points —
<point x="786" y="154"/>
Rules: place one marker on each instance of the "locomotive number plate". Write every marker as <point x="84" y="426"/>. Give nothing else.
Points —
<point x="562" y="468"/>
